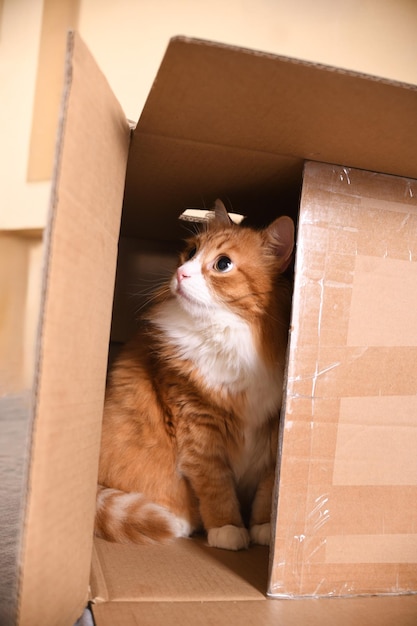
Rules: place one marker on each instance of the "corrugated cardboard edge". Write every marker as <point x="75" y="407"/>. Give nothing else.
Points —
<point x="295" y="61"/>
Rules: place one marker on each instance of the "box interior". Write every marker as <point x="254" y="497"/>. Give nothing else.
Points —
<point x="235" y="123"/>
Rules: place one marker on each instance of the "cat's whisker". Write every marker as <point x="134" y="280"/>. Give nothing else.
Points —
<point x="148" y="292"/>
<point x="148" y="286"/>
<point x="154" y="296"/>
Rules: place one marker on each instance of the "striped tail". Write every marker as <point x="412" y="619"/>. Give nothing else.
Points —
<point x="132" y="518"/>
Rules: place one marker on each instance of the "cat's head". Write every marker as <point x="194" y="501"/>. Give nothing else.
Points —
<point x="232" y="268"/>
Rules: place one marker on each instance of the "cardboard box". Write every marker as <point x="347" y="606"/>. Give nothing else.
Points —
<point x="239" y="124"/>
<point x="345" y="524"/>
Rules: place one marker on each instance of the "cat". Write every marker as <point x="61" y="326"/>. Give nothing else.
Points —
<point x="190" y="427"/>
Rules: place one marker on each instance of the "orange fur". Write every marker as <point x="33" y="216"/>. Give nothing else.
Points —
<point x="190" y="429"/>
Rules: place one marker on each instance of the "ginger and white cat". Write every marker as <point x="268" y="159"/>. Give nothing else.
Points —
<point x="191" y="414"/>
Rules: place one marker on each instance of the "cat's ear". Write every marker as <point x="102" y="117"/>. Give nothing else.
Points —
<point x="280" y="240"/>
<point x="221" y="216"/>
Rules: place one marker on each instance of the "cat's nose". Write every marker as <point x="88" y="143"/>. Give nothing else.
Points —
<point x="181" y="274"/>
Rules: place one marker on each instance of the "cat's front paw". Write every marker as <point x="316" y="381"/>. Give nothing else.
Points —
<point x="228" y="537"/>
<point x="261" y="534"/>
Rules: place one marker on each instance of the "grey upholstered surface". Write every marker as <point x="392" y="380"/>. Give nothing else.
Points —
<point x="15" y="424"/>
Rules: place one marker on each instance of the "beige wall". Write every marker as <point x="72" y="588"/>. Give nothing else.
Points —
<point x="21" y="204"/>
<point x="20" y="263"/>
<point x="128" y="37"/>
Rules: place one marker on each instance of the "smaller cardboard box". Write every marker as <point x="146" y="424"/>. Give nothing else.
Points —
<point x="222" y="121"/>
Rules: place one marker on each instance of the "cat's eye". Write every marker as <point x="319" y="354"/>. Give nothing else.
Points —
<point x="191" y="252"/>
<point x="223" y="264"/>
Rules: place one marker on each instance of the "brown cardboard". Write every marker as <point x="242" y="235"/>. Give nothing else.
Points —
<point x="206" y="132"/>
<point x="185" y="570"/>
<point x="81" y="246"/>
<point x="15" y="251"/>
<point x="57" y="19"/>
<point x="345" y="524"/>
<point x="238" y="123"/>
<point x="190" y="583"/>
<point x="364" y="611"/>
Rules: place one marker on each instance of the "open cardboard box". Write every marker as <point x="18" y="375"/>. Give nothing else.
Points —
<point x="255" y="130"/>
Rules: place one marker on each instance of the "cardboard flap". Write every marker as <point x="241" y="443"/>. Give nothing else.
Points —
<point x="229" y="96"/>
<point x="244" y="122"/>
<point x="343" y="612"/>
<point x="81" y="246"/>
<point x="185" y="570"/>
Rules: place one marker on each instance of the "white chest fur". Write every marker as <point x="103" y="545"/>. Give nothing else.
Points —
<point x="222" y="347"/>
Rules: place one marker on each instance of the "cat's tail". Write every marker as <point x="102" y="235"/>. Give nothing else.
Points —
<point x="132" y="518"/>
